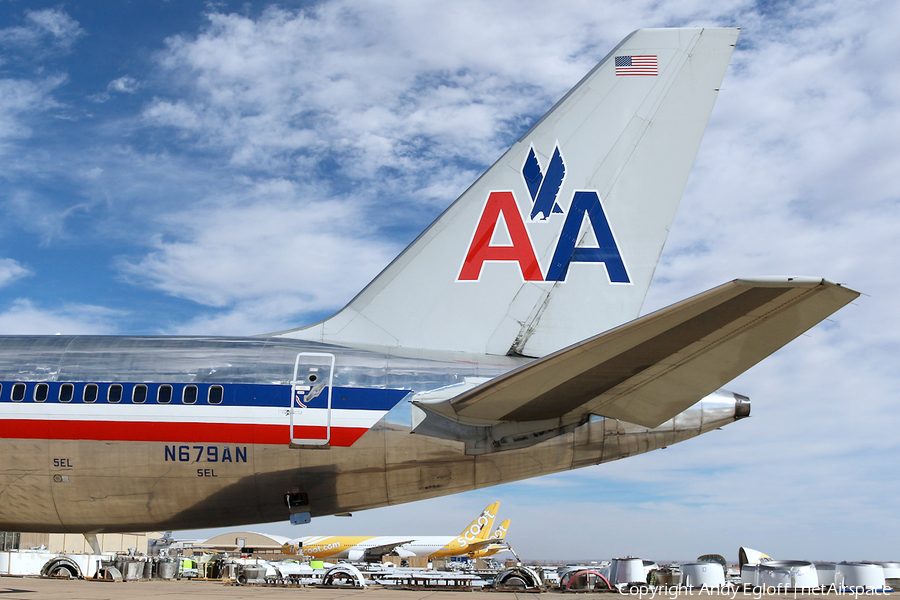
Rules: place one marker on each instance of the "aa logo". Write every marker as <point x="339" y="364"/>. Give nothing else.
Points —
<point x="543" y="188"/>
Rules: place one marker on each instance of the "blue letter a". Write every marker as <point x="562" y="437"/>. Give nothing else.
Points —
<point x="566" y="252"/>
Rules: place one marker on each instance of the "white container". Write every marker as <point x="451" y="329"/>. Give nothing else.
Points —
<point x="750" y="576"/>
<point x="167" y="569"/>
<point x="699" y="575"/>
<point x="825" y="574"/>
<point x="859" y="576"/>
<point x="134" y="570"/>
<point x="627" y="570"/>
<point x="788" y="575"/>
<point x="891" y="571"/>
<point x="24" y="563"/>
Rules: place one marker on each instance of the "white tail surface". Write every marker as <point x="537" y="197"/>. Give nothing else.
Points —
<point x="559" y="239"/>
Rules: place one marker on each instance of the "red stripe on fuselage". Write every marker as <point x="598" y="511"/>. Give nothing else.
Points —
<point x="146" y="431"/>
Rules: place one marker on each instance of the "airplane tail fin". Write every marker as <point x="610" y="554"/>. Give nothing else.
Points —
<point x="501" y="530"/>
<point x="480" y="528"/>
<point x="493" y="544"/>
<point x="749" y="556"/>
<point x="559" y="239"/>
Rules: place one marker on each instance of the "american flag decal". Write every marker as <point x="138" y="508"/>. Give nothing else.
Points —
<point x="637" y="65"/>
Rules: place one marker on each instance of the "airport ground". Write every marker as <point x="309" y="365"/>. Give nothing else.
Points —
<point x="15" y="588"/>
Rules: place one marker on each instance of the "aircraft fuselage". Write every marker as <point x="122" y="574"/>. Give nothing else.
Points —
<point x="106" y="434"/>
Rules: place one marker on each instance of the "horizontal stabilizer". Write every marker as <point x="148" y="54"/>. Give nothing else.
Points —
<point x="649" y="370"/>
<point x="482" y="544"/>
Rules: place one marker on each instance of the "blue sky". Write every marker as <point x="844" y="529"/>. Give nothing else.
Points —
<point x="237" y="168"/>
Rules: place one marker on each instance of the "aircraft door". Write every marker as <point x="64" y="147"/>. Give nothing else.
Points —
<point x="311" y="399"/>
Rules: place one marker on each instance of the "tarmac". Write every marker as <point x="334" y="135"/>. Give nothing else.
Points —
<point x="15" y="588"/>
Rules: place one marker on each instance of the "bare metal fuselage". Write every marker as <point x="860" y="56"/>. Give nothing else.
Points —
<point x="76" y="465"/>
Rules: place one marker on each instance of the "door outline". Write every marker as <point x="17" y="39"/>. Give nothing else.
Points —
<point x="299" y="389"/>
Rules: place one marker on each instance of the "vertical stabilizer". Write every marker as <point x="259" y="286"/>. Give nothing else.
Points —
<point x="480" y="528"/>
<point x="500" y="533"/>
<point x="559" y="239"/>
<point x="476" y="531"/>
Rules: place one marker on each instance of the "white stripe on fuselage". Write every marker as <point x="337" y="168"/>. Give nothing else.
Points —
<point x="179" y="413"/>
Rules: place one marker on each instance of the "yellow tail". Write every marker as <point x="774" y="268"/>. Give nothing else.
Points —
<point x="480" y="528"/>
<point x="493" y="548"/>
<point x="476" y="531"/>
<point x="501" y="530"/>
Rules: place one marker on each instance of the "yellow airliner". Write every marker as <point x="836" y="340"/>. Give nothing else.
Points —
<point x="496" y="542"/>
<point x="473" y="538"/>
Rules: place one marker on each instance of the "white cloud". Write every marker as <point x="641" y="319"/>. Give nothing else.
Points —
<point x="23" y="317"/>
<point x="124" y="85"/>
<point x="50" y="28"/>
<point x="38" y="214"/>
<point x="267" y="252"/>
<point x="55" y="22"/>
<point x="11" y="270"/>
<point x="19" y="99"/>
<point x="370" y="91"/>
<point x="22" y="98"/>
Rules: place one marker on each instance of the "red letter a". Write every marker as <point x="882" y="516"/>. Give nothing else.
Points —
<point x="520" y="251"/>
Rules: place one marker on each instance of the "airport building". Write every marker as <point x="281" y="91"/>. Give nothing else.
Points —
<point x="73" y="543"/>
<point x="244" y="543"/>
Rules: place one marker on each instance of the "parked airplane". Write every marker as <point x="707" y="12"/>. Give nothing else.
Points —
<point x="503" y="343"/>
<point x="496" y="543"/>
<point x="473" y="537"/>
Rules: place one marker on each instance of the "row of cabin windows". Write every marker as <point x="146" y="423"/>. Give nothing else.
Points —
<point x="115" y="392"/>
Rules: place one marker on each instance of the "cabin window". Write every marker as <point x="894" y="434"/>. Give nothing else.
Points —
<point x="164" y="394"/>
<point x="114" y="393"/>
<point x="90" y="392"/>
<point x="215" y="394"/>
<point x="139" y="394"/>
<point x="66" y="392"/>
<point x="189" y="396"/>
<point x="41" y="391"/>
<point x="18" y="392"/>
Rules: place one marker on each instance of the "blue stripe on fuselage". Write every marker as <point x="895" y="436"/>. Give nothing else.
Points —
<point x="234" y="394"/>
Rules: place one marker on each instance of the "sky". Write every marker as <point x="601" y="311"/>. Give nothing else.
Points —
<point x="243" y="167"/>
